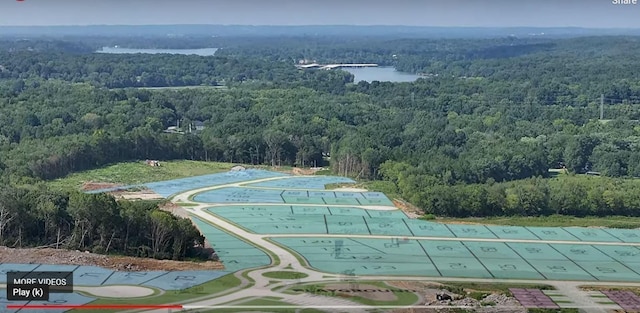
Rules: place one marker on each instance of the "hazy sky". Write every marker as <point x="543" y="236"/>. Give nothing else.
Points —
<point x="581" y="13"/>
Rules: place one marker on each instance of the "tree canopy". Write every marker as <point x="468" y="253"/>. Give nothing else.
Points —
<point x="475" y="136"/>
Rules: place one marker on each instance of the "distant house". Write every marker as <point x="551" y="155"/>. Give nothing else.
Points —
<point x="199" y="125"/>
<point x="172" y="129"/>
<point x="195" y="126"/>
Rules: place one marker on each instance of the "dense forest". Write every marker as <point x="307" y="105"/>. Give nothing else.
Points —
<point x="475" y="137"/>
<point x="164" y="70"/>
<point x="96" y="222"/>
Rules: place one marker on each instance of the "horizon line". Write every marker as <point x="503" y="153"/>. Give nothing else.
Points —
<point x="327" y="25"/>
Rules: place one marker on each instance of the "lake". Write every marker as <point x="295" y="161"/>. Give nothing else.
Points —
<point x="118" y="50"/>
<point x="383" y="74"/>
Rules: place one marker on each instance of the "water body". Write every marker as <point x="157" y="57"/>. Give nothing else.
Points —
<point x="383" y="74"/>
<point x="118" y="50"/>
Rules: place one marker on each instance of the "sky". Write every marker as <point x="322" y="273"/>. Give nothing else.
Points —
<point x="468" y="13"/>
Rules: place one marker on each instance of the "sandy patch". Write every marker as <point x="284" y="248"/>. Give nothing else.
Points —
<point x="117" y="291"/>
<point x="305" y="171"/>
<point x="375" y="295"/>
<point x="145" y="194"/>
<point x="139" y="196"/>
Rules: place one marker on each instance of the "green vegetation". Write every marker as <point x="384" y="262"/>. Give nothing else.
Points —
<point x="635" y="290"/>
<point x="475" y="137"/>
<point x="285" y="275"/>
<point x="260" y="305"/>
<point x="130" y="173"/>
<point x="574" y="195"/>
<point x="601" y="302"/>
<point x="550" y="221"/>
<point x="402" y="298"/>
<point x="463" y="287"/>
<point x="95" y="222"/>
<point x="221" y="285"/>
<point x="386" y="187"/>
<point x="183" y="87"/>
<point x="323" y="172"/>
<point x="478" y="295"/>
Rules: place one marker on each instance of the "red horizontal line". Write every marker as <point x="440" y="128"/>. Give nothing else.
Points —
<point x="88" y="307"/>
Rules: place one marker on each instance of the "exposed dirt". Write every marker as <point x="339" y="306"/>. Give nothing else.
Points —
<point x="412" y="285"/>
<point x="145" y="194"/>
<point x="411" y="210"/>
<point x="304" y="171"/>
<point x="87" y="186"/>
<point x="635" y="290"/>
<point x="174" y="209"/>
<point x="494" y="303"/>
<point x="377" y="296"/>
<point x="120" y="263"/>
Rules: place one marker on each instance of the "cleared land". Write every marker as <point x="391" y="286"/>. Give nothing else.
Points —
<point x="120" y="263"/>
<point x="132" y="173"/>
<point x="484" y="297"/>
<point x="129" y="173"/>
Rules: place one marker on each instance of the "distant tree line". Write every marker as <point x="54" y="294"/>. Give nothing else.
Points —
<point x="490" y="118"/>
<point x="94" y="222"/>
<point x="162" y="70"/>
<point x="566" y="195"/>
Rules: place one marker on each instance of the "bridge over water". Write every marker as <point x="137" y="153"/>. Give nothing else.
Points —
<point x="334" y="66"/>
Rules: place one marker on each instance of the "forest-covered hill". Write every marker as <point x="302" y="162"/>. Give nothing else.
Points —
<point x="498" y="114"/>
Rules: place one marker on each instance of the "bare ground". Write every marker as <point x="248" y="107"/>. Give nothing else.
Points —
<point x="120" y="263"/>
<point x="304" y="171"/>
<point x="494" y="303"/>
<point x="174" y="209"/>
<point x="145" y="194"/>
<point x="377" y="296"/>
<point x="411" y="210"/>
<point x="87" y="186"/>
